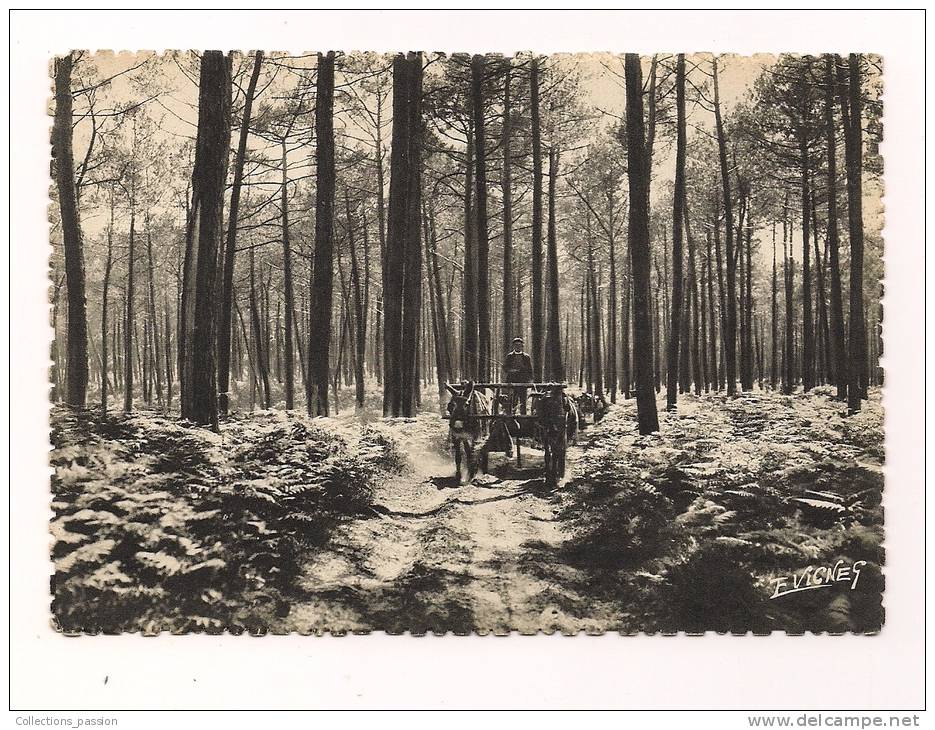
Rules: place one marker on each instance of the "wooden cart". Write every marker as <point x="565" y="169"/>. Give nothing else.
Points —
<point x="543" y="422"/>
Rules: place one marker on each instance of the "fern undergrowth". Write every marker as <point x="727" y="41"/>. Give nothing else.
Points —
<point x="161" y="526"/>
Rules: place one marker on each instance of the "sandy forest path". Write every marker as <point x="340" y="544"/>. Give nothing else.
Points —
<point x="442" y="556"/>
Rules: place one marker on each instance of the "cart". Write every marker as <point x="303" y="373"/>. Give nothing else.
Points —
<point x="545" y="422"/>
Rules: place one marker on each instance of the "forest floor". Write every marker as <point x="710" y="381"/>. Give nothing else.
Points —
<point x="281" y="524"/>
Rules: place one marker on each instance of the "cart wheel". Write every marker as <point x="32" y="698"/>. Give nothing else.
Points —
<point x="463" y="466"/>
<point x="551" y="468"/>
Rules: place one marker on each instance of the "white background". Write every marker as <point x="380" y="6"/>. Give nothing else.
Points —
<point x="49" y="672"/>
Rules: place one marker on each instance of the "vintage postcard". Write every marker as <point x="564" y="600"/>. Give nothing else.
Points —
<point x="349" y="342"/>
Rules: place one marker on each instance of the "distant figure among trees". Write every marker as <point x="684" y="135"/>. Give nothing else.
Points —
<point x="518" y="367"/>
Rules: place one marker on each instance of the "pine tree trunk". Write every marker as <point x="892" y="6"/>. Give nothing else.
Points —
<point x="105" y="303"/>
<point x="774" y="325"/>
<point x="741" y="308"/>
<point x="519" y="320"/>
<point x="381" y="196"/>
<point x="583" y="329"/>
<point x="288" y="350"/>
<point x="267" y="287"/>
<point x="469" y="339"/>
<point x="360" y="316"/>
<point x="319" y="337"/>
<point x="536" y="314"/>
<point x="117" y="348"/>
<point x="748" y="300"/>
<point x="225" y="322"/>
<point x="638" y="235"/>
<point x="566" y="352"/>
<point x="588" y="353"/>
<point x="722" y="296"/>
<point x="759" y="352"/>
<point x="554" y="368"/>
<point x="76" y="371"/>
<point x="412" y="281"/>
<point x="438" y="336"/>
<point x="712" y="316"/>
<point x="378" y="338"/>
<point x="808" y="333"/>
<point x="730" y="328"/>
<point x="55" y="349"/>
<point x="364" y="228"/>
<point x="657" y="315"/>
<point x="342" y="371"/>
<point x="94" y="364"/>
<point x="695" y="326"/>
<point x="789" y="275"/>
<point x="128" y="320"/>
<point x="435" y="284"/>
<point x="851" y="111"/>
<point x="251" y="361"/>
<point x="338" y="369"/>
<point x="666" y="299"/>
<point x="651" y="113"/>
<point x="301" y="349"/>
<point x="626" y="350"/>
<point x="595" y="351"/>
<point x="480" y="210"/>
<point x="684" y="337"/>
<point x="136" y="356"/>
<point x="277" y="329"/>
<point x="612" y="305"/>
<point x="839" y="352"/>
<point x="261" y="359"/>
<point x="703" y="335"/>
<point x="824" y="348"/>
<point x="198" y="375"/>
<point x="117" y="362"/>
<point x="509" y="328"/>
<point x="675" y="374"/>
<point x="144" y="356"/>
<point x="156" y="370"/>
<point x="403" y="270"/>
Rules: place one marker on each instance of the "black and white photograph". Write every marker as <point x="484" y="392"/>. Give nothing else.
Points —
<point x="467" y="359"/>
<point x="467" y="343"/>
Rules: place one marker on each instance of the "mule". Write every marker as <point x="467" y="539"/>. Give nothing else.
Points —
<point x="558" y="425"/>
<point x="465" y="429"/>
<point x="589" y="404"/>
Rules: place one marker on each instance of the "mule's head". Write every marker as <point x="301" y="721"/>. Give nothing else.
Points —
<point x="586" y="403"/>
<point x="550" y="406"/>
<point x="459" y="406"/>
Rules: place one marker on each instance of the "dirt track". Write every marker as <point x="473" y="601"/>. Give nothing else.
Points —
<point x="495" y="556"/>
<point x="439" y="556"/>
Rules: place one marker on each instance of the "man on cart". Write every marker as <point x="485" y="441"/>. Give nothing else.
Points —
<point x="518" y="368"/>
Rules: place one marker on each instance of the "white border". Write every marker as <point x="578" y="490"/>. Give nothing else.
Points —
<point x="882" y="672"/>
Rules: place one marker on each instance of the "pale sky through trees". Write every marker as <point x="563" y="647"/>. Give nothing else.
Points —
<point x="175" y="106"/>
<point x="167" y="85"/>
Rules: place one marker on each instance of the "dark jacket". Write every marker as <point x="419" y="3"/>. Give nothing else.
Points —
<point x="518" y="367"/>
